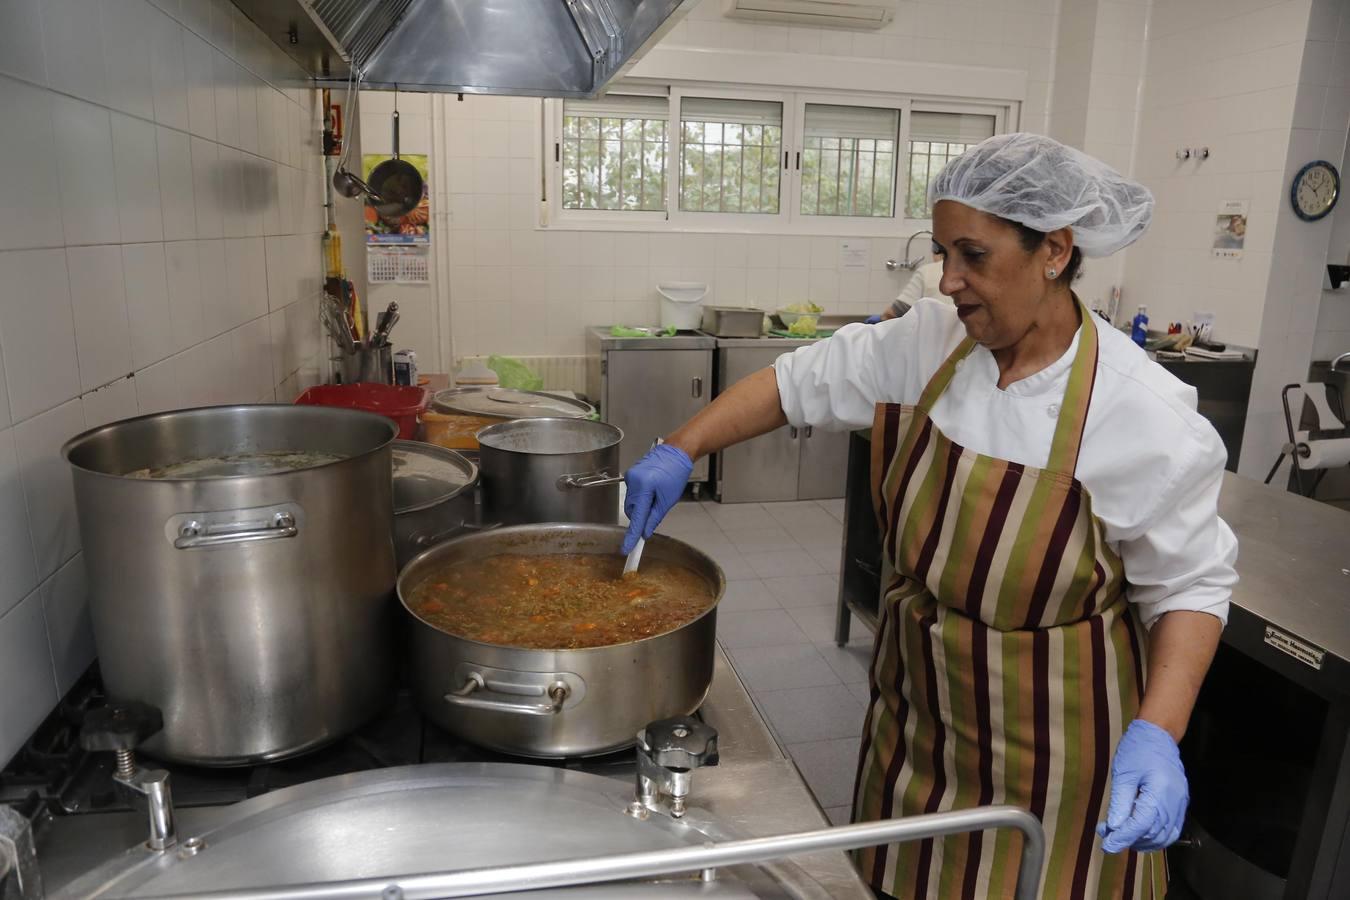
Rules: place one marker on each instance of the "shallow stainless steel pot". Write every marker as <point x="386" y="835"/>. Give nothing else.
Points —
<point x="552" y="703"/>
<point x="550" y="470"/>
<point x="433" y="497"/>
<point x="253" y="610"/>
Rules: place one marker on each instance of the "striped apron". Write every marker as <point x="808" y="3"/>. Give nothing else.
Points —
<point x="1007" y="660"/>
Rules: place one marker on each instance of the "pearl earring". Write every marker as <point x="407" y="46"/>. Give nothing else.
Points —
<point x="1051" y="273"/>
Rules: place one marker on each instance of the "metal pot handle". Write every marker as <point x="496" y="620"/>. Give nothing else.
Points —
<point x="193" y="533"/>
<point x="435" y="537"/>
<point x="588" y="480"/>
<point x="556" y="693"/>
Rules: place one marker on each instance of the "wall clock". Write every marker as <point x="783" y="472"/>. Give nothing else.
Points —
<point x="1315" y="190"/>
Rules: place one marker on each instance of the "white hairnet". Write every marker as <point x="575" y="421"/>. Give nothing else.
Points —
<point x="1043" y="184"/>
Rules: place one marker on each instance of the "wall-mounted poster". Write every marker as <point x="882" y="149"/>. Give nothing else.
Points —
<point x="1230" y="229"/>
<point x="414" y="227"/>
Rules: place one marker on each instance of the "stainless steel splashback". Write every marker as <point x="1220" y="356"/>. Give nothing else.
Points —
<point x="540" y="48"/>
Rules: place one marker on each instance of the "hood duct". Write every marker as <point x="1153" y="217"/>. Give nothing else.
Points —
<point x="538" y="48"/>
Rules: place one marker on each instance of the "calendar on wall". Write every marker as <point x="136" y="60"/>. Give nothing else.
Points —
<point x="401" y="265"/>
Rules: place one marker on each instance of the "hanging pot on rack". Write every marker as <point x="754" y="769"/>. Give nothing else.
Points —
<point x="397" y="183"/>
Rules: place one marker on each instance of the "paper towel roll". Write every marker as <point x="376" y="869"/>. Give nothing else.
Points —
<point x="1316" y="392"/>
<point x="1326" y="454"/>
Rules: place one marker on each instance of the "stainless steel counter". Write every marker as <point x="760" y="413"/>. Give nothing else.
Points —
<point x="684" y="340"/>
<point x="1294" y="575"/>
<point x="756" y="791"/>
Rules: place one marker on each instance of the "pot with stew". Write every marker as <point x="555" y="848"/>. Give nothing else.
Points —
<point x="530" y="640"/>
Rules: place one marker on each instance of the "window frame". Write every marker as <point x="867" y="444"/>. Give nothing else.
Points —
<point x="1002" y="115"/>
<point x="788" y="219"/>
<point x="851" y="224"/>
<point x="723" y="221"/>
<point x="597" y="218"/>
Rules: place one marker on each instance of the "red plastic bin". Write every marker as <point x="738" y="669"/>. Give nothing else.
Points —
<point x="399" y="402"/>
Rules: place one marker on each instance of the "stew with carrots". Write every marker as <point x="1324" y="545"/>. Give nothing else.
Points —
<point x="560" y="601"/>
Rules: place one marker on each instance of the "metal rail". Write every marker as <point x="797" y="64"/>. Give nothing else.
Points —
<point x="649" y="864"/>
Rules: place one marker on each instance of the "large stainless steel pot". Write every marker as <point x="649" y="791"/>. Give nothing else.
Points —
<point x="253" y="610"/>
<point x="550" y="470"/>
<point x="433" y="497"/>
<point x="552" y="703"/>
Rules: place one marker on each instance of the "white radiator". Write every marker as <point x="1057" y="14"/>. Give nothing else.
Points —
<point x="560" y="373"/>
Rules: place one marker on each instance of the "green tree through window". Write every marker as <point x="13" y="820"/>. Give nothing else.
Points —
<point x="731" y="152"/>
<point x="614" y="154"/>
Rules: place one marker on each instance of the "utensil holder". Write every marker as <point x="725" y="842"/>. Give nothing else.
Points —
<point x="369" y="365"/>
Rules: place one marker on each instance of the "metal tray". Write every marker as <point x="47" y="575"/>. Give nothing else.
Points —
<point x="733" y="321"/>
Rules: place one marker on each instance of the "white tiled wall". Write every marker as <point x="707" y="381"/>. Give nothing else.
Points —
<point x="1289" y="323"/>
<point x="1333" y="320"/>
<point x="1222" y="75"/>
<point x="514" y="289"/>
<point x="1099" y="60"/>
<point x="158" y="248"/>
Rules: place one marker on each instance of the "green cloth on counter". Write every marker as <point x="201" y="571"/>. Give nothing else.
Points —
<point x="821" y="333"/>
<point x="628" y="331"/>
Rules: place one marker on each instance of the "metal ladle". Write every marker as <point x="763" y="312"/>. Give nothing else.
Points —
<point x="350" y="185"/>
<point x="346" y="182"/>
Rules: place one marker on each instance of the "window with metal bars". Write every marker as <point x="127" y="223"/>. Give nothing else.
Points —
<point x="613" y="153"/>
<point x="730" y="152"/>
<point x="848" y="160"/>
<point x="936" y="138"/>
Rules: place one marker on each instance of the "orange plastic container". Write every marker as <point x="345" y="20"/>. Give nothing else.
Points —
<point x="401" y="403"/>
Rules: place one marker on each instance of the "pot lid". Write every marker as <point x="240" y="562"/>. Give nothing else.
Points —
<point x="409" y="820"/>
<point x="503" y="403"/>
<point x="425" y="474"/>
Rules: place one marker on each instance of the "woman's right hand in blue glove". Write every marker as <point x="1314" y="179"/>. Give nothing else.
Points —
<point x="655" y="484"/>
<point x="872" y="320"/>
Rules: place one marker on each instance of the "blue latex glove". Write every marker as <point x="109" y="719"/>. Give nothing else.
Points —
<point x="655" y="484"/>
<point x="872" y="320"/>
<point x="1149" y="792"/>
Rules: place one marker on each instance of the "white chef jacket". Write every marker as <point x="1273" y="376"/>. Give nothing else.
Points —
<point x="923" y="282"/>
<point x="1152" y="464"/>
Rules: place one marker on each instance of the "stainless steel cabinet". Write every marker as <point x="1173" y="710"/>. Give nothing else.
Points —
<point x="823" y="466"/>
<point x="648" y="387"/>
<point x="786" y="464"/>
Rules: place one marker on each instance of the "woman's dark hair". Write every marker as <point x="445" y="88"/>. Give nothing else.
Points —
<point x="1031" y="239"/>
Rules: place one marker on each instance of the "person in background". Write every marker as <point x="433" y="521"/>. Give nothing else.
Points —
<point x="1055" y="574"/>
<point x="925" y="281"/>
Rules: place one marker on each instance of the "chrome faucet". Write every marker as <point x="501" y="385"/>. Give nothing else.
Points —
<point x="1340" y="359"/>
<point x="907" y="263"/>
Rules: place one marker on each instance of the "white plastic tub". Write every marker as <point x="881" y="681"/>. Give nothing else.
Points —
<point x="681" y="304"/>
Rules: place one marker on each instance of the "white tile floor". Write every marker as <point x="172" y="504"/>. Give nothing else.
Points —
<point x="776" y="623"/>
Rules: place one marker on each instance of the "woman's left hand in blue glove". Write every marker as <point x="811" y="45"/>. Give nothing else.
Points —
<point x="872" y="320"/>
<point x="1149" y="792"/>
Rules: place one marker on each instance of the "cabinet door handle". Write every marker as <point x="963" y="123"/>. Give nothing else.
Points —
<point x="808" y="431"/>
<point x="697" y="387"/>
<point x="792" y="432"/>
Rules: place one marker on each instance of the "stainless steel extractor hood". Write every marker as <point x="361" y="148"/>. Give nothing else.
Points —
<point x="540" y="48"/>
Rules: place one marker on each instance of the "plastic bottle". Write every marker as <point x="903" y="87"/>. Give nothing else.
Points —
<point x="1139" y="328"/>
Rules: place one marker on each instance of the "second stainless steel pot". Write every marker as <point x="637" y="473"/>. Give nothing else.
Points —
<point x="552" y="703"/>
<point x="433" y="497"/>
<point x="550" y="470"/>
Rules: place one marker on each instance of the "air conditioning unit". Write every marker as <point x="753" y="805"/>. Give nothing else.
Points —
<point x="855" y="14"/>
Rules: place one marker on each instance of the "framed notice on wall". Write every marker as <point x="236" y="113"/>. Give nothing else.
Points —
<point x="1230" y="229"/>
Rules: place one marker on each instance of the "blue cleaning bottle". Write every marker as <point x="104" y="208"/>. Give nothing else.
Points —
<point x="1139" y="328"/>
